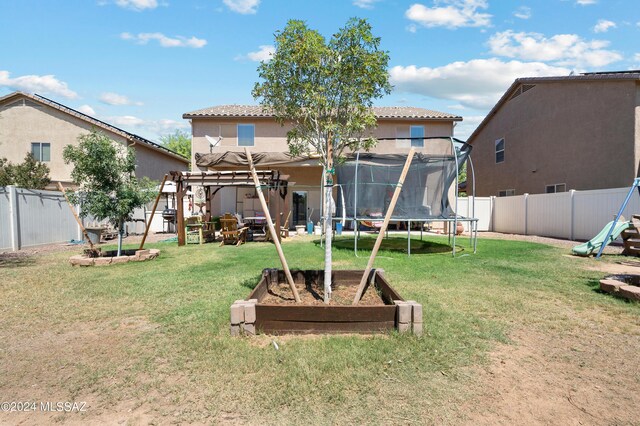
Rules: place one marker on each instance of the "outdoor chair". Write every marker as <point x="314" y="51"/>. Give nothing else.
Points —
<point x="230" y="232"/>
<point x="284" y="229"/>
<point x="199" y="232"/>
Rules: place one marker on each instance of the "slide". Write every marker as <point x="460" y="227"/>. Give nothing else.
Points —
<point x="594" y="244"/>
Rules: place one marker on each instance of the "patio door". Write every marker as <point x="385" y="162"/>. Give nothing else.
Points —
<point x="299" y="207"/>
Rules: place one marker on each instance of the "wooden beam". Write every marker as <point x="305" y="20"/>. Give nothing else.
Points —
<point x="84" y="231"/>
<point x="153" y="212"/>
<point x="383" y="230"/>
<point x="267" y="215"/>
<point x="179" y="218"/>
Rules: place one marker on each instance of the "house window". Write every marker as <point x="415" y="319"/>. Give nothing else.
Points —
<point x="417" y="133"/>
<point x="402" y="137"/>
<point x="558" y="187"/>
<point x="246" y="134"/>
<point x="507" y="193"/>
<point x="500" y="150"/>
<point x="41" y="151"/>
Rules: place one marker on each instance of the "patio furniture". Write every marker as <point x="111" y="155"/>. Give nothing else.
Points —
<point x="230" y="232"/>
<point x="199" y="232"/>
<point x="284" y="229"/>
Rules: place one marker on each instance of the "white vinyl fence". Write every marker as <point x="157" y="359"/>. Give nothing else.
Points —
<point x="575" y="215"/>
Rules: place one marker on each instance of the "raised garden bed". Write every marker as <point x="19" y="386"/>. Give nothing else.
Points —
<point x="624" y="285"/>
<point x="270" y="307"/>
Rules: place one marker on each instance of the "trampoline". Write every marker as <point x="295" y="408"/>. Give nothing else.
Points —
<point x="366" y="182"/>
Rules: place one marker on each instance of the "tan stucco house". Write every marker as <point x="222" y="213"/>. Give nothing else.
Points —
<point x="227" y="128"/>
<point x="554" y="134"/>
<point x="33" y="123"/>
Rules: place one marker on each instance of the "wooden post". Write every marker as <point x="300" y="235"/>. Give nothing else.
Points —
<point x="84" y="231"/>
<point x="382" y="231"/>
<point x="278" y="214"/>
<point x="153" y="212"/>
<point x="267" y="215"/>
<point x="179" y="222"/>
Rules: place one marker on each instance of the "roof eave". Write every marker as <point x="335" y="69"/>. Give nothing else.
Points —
<point x="96" y="122"/>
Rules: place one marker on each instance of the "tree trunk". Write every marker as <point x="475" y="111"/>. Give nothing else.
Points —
<point x="120" y="232"/>
<point x="327" y="234"/>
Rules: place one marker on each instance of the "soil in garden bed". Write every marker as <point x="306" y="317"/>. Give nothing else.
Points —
<point x="313" y="294"/>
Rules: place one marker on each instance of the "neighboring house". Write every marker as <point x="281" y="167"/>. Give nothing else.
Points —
<point x="32" y="123"/>
<point x="554" y="134"/>
<point x="233" y="127"/>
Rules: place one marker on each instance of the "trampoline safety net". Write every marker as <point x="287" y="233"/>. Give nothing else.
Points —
<point x="369" y="180"/>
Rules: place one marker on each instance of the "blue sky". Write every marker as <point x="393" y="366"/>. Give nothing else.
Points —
<point x="141" y="64"/>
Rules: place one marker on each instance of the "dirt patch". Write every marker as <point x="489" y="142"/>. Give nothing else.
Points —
<point x="313" y="294"/>
<point x="560" y="378"/>
<point x="89" y="363"/>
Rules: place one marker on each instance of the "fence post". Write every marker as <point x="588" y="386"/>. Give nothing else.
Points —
<point x="573" y="214"/>
<point x="492" y="212"/>
<point x="14" y="226"/>
<point x="526" y="214"/>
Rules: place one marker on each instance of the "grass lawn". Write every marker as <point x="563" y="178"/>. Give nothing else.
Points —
<point x="149" y="342"/>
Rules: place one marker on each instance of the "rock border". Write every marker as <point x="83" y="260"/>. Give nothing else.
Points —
<point x="139" y="256"/>
<point x="620" y="289"/>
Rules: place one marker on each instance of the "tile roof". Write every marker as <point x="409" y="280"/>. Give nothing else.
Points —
<point x="106" y="126"/>
<point x="259" y="111"/>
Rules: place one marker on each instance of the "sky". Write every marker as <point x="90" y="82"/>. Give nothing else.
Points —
<point x="141" y="64"/>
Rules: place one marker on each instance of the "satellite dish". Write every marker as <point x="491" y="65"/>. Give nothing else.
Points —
<point x="213" y="142"/>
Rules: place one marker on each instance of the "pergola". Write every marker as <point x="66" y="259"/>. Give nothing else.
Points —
<point x="213" y="181"/>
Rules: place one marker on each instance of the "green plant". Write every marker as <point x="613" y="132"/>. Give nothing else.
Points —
<point x="325" y="89"/>
<point x="108" y="188"/>
<point x="31" y="174"/>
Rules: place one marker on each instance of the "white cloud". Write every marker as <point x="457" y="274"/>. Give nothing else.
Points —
<point x="263" y="54"/>
<point x="155" y="127"/>
<point x="636" y="57"/>
<point x="86" y="109"/>
<point x="137" y="5"/>
<point x="452" y="14"/>
<point x="126" y="121"/>
<point x="586" y="2"/>
<point x="365" y="4"/>
<point x="47" y="84"/>
<point x="244" y="7"/>
<point x="110" y="98"/>
<point x="178" y="41"/>
<point x="563" y="49"/>
<point x="603" y="26"/>
<point x="523" y="12"/>
<point x="478" y="83"/>
<point x="468" y="124"/>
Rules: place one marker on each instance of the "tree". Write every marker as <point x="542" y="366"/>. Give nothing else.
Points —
<point x="108" y="188"/>
<point x="326" y="90"/>
<point x="178" y="141"/>
<point x="6" y="172"/>
<point x="31" y="174"/>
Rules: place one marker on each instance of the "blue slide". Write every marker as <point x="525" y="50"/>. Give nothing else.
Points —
<point x="585" y="249"/>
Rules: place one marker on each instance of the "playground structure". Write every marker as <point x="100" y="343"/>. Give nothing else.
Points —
<point x="630" y="232"/>
<point x="366" y="181"/>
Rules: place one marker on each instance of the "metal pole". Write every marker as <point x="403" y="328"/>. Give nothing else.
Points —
<point x="455" y="218"/>
<point x="473" y="187"/>
<point x="409" y="237"/>
<point x="636" y="182"/>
